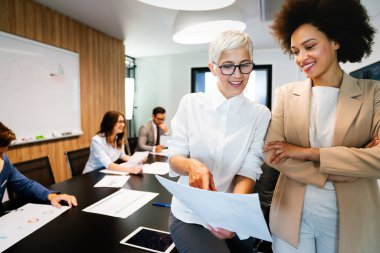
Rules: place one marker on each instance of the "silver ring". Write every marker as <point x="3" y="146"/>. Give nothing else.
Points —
<point x="278" y="151"/>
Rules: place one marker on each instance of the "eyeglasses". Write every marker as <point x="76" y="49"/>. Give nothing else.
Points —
<point x="229" y="69"/>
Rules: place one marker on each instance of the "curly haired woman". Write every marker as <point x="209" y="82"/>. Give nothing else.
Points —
<point x="324" y="133"/>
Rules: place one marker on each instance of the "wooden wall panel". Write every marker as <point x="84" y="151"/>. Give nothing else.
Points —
<point x="102" y="71"/>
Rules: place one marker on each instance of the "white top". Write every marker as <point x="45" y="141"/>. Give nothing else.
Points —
<point x="225" y="134"/>
<point x="102" y="154"/>
<point x="322" y="201"/>
<point x="322" y="116"/>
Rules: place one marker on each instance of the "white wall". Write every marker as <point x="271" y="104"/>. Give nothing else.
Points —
<point x="164" y="80"/>
<point x="283" y="67"/>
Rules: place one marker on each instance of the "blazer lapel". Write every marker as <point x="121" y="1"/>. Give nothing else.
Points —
<point x="300" y="111"/>
<point x="347" y="108"/>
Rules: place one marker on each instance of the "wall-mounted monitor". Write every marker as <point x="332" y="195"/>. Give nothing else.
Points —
<point x="371" y="71"/>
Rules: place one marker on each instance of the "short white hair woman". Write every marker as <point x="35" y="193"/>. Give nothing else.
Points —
<point x="217" y="142"/>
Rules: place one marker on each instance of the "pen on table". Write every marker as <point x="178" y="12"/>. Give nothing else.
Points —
<point x="161" y="204"/>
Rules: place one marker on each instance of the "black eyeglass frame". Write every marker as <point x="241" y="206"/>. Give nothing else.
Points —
<point x="235" y="66"/>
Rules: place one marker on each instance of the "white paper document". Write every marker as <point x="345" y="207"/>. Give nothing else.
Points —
<point x="158" y="168"/>
<point x="165" y="140"/>
<point x="240" y="213"/>
<point x="164" y="152"/>
<point x="112" y="181"/>
<point x="136" y="158"/>
<point x="114" y="172"/>
<point x="121" y="203"/>
<point x="20" y="223"/>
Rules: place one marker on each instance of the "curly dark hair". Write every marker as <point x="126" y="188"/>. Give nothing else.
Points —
<point x="343" y="21"/>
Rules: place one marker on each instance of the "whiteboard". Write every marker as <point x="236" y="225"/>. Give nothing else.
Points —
<point x="39" y="90"/>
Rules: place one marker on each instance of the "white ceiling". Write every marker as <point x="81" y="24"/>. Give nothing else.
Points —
<point x="147" y="30"/>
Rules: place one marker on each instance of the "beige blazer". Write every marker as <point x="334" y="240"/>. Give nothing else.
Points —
<point x="357" y="121"/>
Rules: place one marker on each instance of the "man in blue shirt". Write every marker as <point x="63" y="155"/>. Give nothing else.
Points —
<point x="12" y="178"/>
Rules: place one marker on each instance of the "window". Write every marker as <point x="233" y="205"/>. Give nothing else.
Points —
<point x="129" y="93"/>
<point x="259" y="86"/>
<point x="371" y="71"/>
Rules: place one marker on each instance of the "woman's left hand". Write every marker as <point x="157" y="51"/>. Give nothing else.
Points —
<point x="283" y="150"/>
<point x="221" y="233"/>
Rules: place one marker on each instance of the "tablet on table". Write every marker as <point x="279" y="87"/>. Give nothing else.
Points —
<point x="149" y="239"/>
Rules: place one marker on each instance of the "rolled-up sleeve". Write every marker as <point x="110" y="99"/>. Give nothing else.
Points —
<point x="180" y="141"/>
<point x="251" y="167"/>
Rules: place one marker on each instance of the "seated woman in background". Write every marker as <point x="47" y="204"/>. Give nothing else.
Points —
<point x="107" y="146"/>
<point x="10" y="177"/>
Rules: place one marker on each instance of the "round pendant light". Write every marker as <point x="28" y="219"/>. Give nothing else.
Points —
<point x="190" y="5"/>
<point x="202" y="26"/>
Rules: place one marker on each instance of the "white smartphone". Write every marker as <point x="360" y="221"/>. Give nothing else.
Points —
<point x="149" y="239"/>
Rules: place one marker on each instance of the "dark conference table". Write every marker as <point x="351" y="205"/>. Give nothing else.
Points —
<point x="79" y="231"/>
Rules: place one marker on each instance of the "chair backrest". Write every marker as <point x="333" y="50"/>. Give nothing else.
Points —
<point x="38" y="170"/>
<point x="131" y="144"/>
<point x="77" y="159"/>
<point x="265" y="187"/>
<point x="266" y="184"/>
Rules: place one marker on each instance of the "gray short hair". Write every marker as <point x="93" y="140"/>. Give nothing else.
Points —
<point x="228" y="40"/>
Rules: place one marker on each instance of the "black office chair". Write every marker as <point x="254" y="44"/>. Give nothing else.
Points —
<point x="130" y="145"/>
<point x="77" y="159"/>
<point x="38" y="170"/>
<point x="265" y="187"/>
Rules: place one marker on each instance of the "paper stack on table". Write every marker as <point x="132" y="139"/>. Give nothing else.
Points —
<point x="164" y="152"/>
<point x="112" y="181"/>
<point x="158" y="168"/>
<point x="121" y="203"/>
<point x="114" y="172"/>
<point x="23" y="221"/>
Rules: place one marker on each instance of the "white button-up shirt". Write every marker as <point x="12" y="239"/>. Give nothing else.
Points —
<point x="225" y="134"/>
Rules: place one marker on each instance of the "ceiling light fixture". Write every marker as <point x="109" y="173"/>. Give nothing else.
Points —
<point x="202" y="26"/>
<point x="193" y="5"/>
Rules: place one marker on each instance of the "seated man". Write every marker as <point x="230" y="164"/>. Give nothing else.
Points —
<point x="18" y="183"/>
<point x="149" y="134"/>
